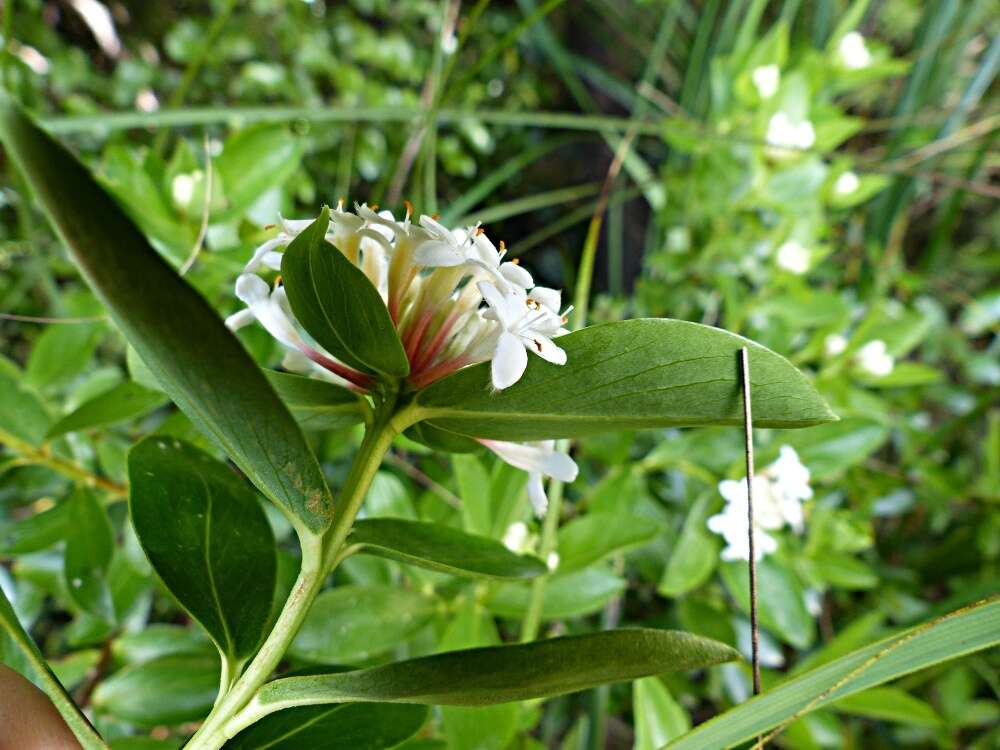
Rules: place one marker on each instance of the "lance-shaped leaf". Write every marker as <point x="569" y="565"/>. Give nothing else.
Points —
<point x="500" y="674"/>
<point x="317" y="404"/>
<point x="344" y="726"/>
<point x="124" y="401"/>
<point x="963" y="632"/>
<point x="89" y="549"/>
<point x="207" y="537"/>
<point x="431" y="545"/>
<point x="627" y="375"/>
<point x="83" y="731"/>
<point x="337" y="304"/>
<point x="199" y="363"/>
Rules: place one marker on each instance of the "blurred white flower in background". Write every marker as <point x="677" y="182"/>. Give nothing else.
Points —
<point x="516" y="537"/>
<point x="834" y="344"/>
<point x="794" y="256"/>
<point x="766" y="78"/>
<point x="846" y="184"/>
<point x="874" y="357"/>
<point x="779" y="491"/>
<point x="786" y="136"/>
<point x="853" y="51"/>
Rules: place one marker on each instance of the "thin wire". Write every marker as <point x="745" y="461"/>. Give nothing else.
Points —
<point x="748" y="452"/>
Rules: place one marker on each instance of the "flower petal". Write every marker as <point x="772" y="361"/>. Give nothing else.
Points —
<point x="545" y="348"/>
<point x="509" y="361"/>
<point x="516" y="275"/>
<point x="551" y="298"/>
<point x="536" y="494"/>
<point x="438" y="254"/>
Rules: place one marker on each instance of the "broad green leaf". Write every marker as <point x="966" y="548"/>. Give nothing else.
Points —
<point x="500" y="674"/>
<point x="11" y="628"/>
<point x="89" y="549"/>
<point x="343" y="726"/>
<point x="354" y="623"/>
<point x="626" y="375"/>
<point x="963" y="632"/>
<point x="252" y="162"/>
<point x="658" y="717"/>
<point x="124" y="401"/>
<point x="437" y="547"/>
<point x="337" y="304"/>
<point x="694" y="556"/>
<point x="36" y="532"/>
<point x="157" y="640"/>
<point x="22" y="414"/>
<point x="889" y="704"/>
<point x="442" y="440"/>
<point x="199" y="363"/>
<point x="574" y="595"/>
<point x="832" y="448"/>
<point x="595" y="536"/>
<point x="317" y="404"/>
<point x="170" y="691"/>
<point x="207" y="537"/>
<point x="780" y="596"/>
<point x="62" y="352"/>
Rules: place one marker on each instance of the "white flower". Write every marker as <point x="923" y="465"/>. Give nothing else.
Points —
<point x="787" y="136"/>
<point x="527" y="322"/>
<point x="540" y="460"/>
<point x="552" y="561"/>
<point x="182" y="189"/>
<point x="834" y="344"/>
<point x="853" y="51"/>
<point x="846" y="184"/>
<point x="779" y="491"/>
<point x="875" y="358"/>
<point x="766" y="78"/>
<point x="516" y="537"/>
<point x="470" y="247"/>
<point x="794" y="257"/>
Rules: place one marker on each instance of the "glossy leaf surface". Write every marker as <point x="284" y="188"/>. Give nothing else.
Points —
<point x="317" y="404"/>
<point x="206" y="535"/>
<point x="438" y="547"/>
<point x="124" y="401"/>
<point x="627" y="375"/>
<point x="199" y="363"/>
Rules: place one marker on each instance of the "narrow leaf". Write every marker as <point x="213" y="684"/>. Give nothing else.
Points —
<point x="207" y="537"/>
<point x="199" y="363"/>
<point x="595" y="536"/>
<point x="317" y="404"/>
<point x="124" y="401"/>
<point x="344" y="726"/>
<point x="89" y="550"/>
<point x="437" y="547"/>
<point x="22" y="414"/>
<point x="83" y="731"/>
<point x="625" y="375"/>
<point x="500" y="674"/>
<point x="963" y="632"/>
<point x="337" y="304"/>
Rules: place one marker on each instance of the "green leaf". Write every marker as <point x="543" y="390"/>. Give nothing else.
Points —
<point x="353" y="623"/>
<point x="83" y="731"/>
<point x="658" y="717"/>
<point x="694" y="557"/>
<point x="830" y="449"/>
<point x="157" y="640"/>
<point x="89" y="550"/>
<point x="780" y="596"/>
<point x="632" y="374"/>
<point x="500" y="674"/>
<point x="199" y="363"/>
<point x="574" y="595"/>
<point x="889" y="704"/>
<point x="437" y="547"/>
<point x="22" y="414"/>
<point x="61" y="353"/>
<point x="473" y="487"/>
<point x="317" y="404"/>
<point x="253" y="161"/>
<point x="595" y="536"/>
<point x="124" y="401"/>
<point x="344" y="726"/>
<point x="337" y="304"/>
<point x="963" y="632"/>
<point x="170" y="691"/>
<point x="207" y="537"/>
<point x="36" y="532"/>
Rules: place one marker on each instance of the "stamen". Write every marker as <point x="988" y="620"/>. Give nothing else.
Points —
<point x="374" y="206"/>
<point x="480" y="231"/>
<point x="409" y="208"/>
<point x="538" y="345"/>
<point x="435" y="216"/>
<point x="277" y="281"/>
<point x="516" y="261"/>
<point x="340" y="203"/>
<point x="502" y="247"/>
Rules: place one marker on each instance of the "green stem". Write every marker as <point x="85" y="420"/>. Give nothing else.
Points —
<point x="319" y="556"/>
<point x="533" y="617"/>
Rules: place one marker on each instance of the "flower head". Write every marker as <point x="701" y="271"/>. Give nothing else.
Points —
<point x="785" y="136"/>
<point x="540" y="460"/>
<point x="853" y="51"/>
<point x="766" y="79"/>
<point x="846" y="184"/>
<point x="794" y="256"/>
<point x="874" y="357"/>
<point x="779" y="491"/>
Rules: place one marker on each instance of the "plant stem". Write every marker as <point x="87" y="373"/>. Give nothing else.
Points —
<point x="320" y="554"/>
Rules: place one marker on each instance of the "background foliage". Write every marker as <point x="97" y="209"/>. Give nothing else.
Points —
<point x="208" y="119"/>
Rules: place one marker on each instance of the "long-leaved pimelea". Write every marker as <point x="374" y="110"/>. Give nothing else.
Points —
<point x="418" y="329"/>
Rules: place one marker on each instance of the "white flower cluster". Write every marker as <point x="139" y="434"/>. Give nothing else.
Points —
<point x="786" y="136"/>
<point x="434" y="281"/>
<point x="778" y="492"/>
<point x="853" y="51"/>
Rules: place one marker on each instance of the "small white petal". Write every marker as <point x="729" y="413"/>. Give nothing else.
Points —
<point x="516" y="275"/>
<point x="834" y="344"/>
<point x="766" y="79"/>
<point x="552" y="561"/>
<point x="846" y="184"/>
<point x="515" y="536"/>
<point x="535" y="459"/>
<point x="536" y="494"/>
<point x="509" y="361"/>
<point x="438" y="254"/>
<point x="546" y="349"/>
<point x="550" y="298"/>
<point x="240" y="319"/>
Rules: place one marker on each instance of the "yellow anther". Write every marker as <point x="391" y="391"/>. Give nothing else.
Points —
<point x="435" y="216"/>
<point x="374" y="206"/>
<point x="516" y="261"/>
<point x="480" y="231"/>
<point x="409" y="208"/>
<point x="277" y="281"/>
<point x="503" y="246"/>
